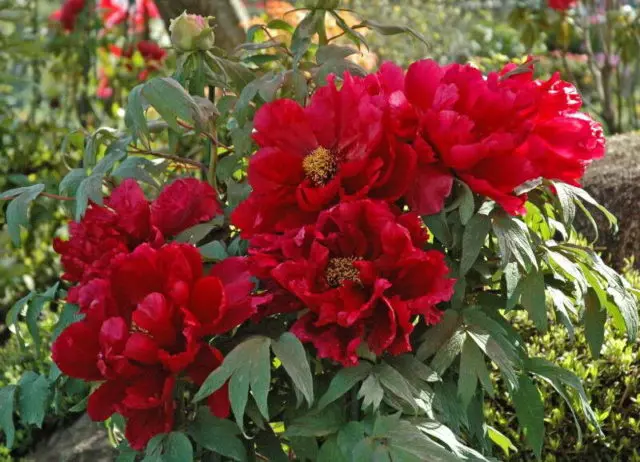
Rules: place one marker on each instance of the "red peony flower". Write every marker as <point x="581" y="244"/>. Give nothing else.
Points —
<point x="494" y="133"/>
<point x="165" y="309"/>
<point x="68" y="14"/>
<point x="562" y="5"/>
<point x="361" y="272"/>
<point x="311" y="157"/>
<point x="113" y="13"/>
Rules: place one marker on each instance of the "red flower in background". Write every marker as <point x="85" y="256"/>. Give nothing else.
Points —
<point x="362" y="274"/>
<point x="494" y="133"/>
<point x="165" y="308"/>
<point x="68" y="14"/>
<point x="562" y="5"/>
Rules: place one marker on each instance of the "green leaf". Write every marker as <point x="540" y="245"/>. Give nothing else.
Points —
<point x="172" y="447"/>
<point x="594" y="320"/>
<point x="349" y="436"/>
<point x="171" y="101"/>
<point x="530" y="413"/>
<point x="448" y="353"/>
<point x="394" y="29"/>
<point x="467" y="204"/>
<point x="437" y="335"/>
<point x="533" y="299"/>
<point x="301" y="39"/>
<point x="90" y="189"/>
<point x="33" y="397"/>
<point x="407" y="441"/>
<point x="344" y="381"/>
<point x="7" y="402"/>
<point x="438" y="225"/>
<point x="70" y="183"/>
<point x="268" y="445"/>
<point x="505" y="358"/>
<point x="371" y="393"/>
<point x="330" y="452"/>
<point x="140" y="169"/>
<point x="14" y="313"/>
<point x="70" y="314"/>
<point x="17" y="214"/>
<point x="126" y="454"/>
<point x="317" y="423"/>
<point x="501" y="440"/>
<point x="473" y="238"/>
<point x="217" y="435"/>
<point x="567" y="203"/>
<point x="249" y="367"/>
<point x="134" y="118"/>
<point x="470" y="358"/>
<point x="35" y="309"/>
<point x="214" y="250"/>
<point x="513" y="240"/>
<point x="394" y="382"/>
<point x="294" y="360"/>
<point x="333" y="52"/>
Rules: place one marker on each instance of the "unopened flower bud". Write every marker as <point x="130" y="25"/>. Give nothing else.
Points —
<point x="191" y="32"/>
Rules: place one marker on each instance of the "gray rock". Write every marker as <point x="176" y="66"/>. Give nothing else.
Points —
<point x="84" y="441"/>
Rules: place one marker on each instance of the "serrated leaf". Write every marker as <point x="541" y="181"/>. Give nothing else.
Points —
<point x="530" y="413"/>
<point x="294" y="360"/>
<point x="7" y="403"/>
<point x="33" y="397"/>
<point x="533" y="299"/>
<point x="371" y="392"/>
<point x="344" y="381"/>
<point x="394" y="382"/>
<point x="217" y="435"/>
<point x="473" y="238"/>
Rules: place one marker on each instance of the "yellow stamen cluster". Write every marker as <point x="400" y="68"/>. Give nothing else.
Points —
<point x="319" y="166"/>
<point x="340" y="270"/>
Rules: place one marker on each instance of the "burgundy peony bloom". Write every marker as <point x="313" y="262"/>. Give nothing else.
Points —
<point x="494" y="133"/>
<point x="127" y="220"/>
<point x="68" y="14"/>
<point x="562" y="5"/>
<point x="312" y="157"/>
<point x="165" y="309"/>
<point x="361" y="272"/>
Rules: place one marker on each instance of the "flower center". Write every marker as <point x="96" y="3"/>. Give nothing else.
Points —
<point x="319" y="166"/>
<point x="340" y="270"/>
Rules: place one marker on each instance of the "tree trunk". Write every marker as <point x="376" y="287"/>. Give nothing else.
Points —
<point x="230" y="17"/>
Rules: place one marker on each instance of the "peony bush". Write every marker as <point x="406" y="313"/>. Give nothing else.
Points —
<point x="282" y="257"/>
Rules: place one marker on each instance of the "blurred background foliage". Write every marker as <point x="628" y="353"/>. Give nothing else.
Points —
<point x="53" y="90"/>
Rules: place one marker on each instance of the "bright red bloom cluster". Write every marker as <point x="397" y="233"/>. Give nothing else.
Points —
<point x="113" y="13"/>
<point x="562" y="5"/>
<point x="324" y="230"/>
<point x="363" y="275"/>
<point x="149" y="308"/>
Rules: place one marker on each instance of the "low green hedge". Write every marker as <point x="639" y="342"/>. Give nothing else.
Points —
<point x="612" y="383"/>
